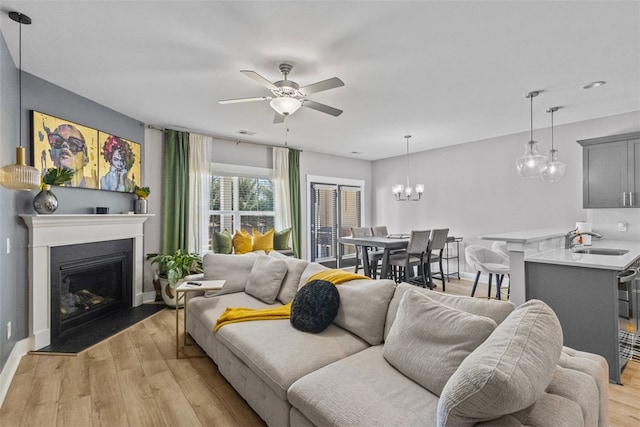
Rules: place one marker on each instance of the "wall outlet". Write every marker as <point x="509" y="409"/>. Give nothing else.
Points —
<point x="622" y="226"/>
<point x="9" y="330"/>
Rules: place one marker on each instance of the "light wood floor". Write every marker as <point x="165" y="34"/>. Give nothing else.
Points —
<point x="134" y="379"/>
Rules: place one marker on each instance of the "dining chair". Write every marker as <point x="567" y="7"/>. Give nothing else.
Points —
<point x="437" y="243"/>
<point x="501" y="248"/>
<point x="380" y="231"/>
<point x="360" y="232"/>
<point x="375" y="255"/>
<point x="415" y="255"/>
<point x="485" y="260"/>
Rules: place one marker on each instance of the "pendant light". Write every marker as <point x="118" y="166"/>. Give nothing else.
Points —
<point x="20" y="176"/>
<point x="553" y="170"/>
<point x="405" y="193"/>
<point x="529" y="164"/>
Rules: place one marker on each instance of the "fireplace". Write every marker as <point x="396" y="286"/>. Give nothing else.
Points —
<point x="88" y="282"/>
<point x="48" y="232"/>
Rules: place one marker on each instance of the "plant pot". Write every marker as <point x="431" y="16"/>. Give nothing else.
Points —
<point x="169" y="293"/>
<point x="45" y="201"/>
<point x="140" y="206"/>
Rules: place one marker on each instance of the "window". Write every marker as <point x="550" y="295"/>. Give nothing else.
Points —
<point x="240" y="201"/>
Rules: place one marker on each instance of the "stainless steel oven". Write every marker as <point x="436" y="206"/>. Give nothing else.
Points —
<point x="628" y="305"/>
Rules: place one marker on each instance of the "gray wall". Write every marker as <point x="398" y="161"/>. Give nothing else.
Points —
<point x="474" y="188"/>
<point x="45" y="97"/>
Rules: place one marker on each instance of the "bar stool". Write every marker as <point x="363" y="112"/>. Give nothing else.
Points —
<point x="485" y="260"/>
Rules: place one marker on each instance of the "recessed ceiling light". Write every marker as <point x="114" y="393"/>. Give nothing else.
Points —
<point x="593" y="84"/>
<point x="246" y="132"/>
<point x="356" y="152"/>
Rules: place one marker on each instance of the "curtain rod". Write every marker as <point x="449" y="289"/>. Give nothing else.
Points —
<point x="223" y="138"/>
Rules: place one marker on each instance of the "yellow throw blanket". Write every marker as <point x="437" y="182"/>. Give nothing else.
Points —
<point x="244" y="314"/>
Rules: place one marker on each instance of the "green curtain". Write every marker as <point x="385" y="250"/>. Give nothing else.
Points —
<point x="175" y="191"/>
<point x="294" y="194"/>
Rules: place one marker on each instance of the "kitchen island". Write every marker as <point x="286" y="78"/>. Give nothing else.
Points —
<point x="597" y="314"/>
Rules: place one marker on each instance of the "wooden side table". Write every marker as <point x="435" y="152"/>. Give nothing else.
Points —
<point x="181" y="294"/>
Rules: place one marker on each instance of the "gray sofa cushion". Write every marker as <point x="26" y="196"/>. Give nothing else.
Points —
<point x="428" y="340"/>
<point x="363" y="390"/>
<point x="309" y="271"/>
<point x="295" y="268"/>
<point x="493" y="309"/>
<point x="280" y="354"/>
<point x="363" y="307"/>
<point x="265" y="278"/>
<point x="234" y="269"/>
<point x="506" y="373"/>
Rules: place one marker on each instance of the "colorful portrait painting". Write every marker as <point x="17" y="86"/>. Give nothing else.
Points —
<point x="59" y="143"/>
<point x="119" y="164"/>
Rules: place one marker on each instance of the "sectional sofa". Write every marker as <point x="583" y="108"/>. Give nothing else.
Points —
<point x="395" y="355"/>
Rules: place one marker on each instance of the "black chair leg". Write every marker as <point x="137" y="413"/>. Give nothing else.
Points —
<point x="444" y="279"/>
<point x="489" y="290"/>
<point x="499" y="278"/>
<point x="475" y="284"/>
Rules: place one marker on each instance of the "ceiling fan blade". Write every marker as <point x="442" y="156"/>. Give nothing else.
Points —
<point x="235" y="101"/>
<point x="257" y="77"/>
<point x="278" y="118"/>
<point x="321" y="107"/>
<point x="323" y="85"/>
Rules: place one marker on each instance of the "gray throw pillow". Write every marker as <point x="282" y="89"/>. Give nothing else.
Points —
<point x="295" y="268"/>
<point x="363" y="307"/>
<point x="265" y="278"/>
<point x="428" y="340"/>
<point x="506" y="373"/>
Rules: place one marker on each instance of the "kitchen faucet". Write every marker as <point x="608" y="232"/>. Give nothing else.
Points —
<point x="575" y="233"/>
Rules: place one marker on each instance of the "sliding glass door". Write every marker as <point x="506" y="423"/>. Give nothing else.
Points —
<point x="334" y="209"/>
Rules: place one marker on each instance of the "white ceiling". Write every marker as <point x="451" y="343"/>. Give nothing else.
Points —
<point x="447" y="72"/>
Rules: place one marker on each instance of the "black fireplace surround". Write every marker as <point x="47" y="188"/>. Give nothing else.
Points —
<point x="89" y="281"/>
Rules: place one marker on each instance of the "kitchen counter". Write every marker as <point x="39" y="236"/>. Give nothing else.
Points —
<point x="527" y="236"/>
<point x="563" y="256"/>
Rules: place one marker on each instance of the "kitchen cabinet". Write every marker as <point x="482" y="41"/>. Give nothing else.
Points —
<point x="611" y="171"/>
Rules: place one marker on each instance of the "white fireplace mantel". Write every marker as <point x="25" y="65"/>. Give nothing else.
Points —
<point x="47" y="231"/>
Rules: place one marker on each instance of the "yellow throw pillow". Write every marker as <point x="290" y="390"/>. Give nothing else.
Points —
<point x="263" y="242"/>
<point x="242" y="242"/>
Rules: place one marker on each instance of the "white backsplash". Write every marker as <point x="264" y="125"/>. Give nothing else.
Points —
<point x="605" y="222"/>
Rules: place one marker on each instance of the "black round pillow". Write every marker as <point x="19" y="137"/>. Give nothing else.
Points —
<point x="315" y="306"/>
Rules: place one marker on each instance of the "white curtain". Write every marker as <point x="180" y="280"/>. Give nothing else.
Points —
<point x="199" y="189"/>
<point x="280" y="179"/>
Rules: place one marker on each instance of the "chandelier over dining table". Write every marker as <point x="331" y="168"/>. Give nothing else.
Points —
<point x="404" y="193"/>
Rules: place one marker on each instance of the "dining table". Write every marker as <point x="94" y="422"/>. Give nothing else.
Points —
<point x="387" y="243"/>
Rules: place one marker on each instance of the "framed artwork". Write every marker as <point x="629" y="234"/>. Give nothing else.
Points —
<point x="100" y="160"/>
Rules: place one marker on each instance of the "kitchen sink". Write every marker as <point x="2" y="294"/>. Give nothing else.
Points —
<point x="601" y="251"/>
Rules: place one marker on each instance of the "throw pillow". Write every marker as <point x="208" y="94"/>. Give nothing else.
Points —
<point x="428" y="340"/>
<point x="263" y="242"/>
<point x="295" y="268"/>
<point x="265" y="278"/>
<point x="281" y="239"/>
<point x="506" y="373"/>
<point x="315" y="306"/>
<point x="363" y="308"/>
<point x="234" y="270"/>
<point x="222" y="242"/>
<point x="242" y="242"/>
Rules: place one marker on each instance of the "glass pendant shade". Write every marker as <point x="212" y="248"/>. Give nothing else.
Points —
<point x="20" y="176"/>
<point x="553" y="170"/>
<point x="285" y="105"/>
<point x="529" y="164"/>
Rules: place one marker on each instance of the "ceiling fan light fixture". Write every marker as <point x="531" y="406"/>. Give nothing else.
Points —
<point x="285" y="105"/>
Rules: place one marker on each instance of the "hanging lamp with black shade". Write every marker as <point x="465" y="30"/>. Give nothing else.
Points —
<point x="529" y="164"/>
<point x="20" y="176"/>
<point x="553" y="170"/>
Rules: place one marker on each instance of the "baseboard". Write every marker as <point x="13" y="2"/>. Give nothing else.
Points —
<point x="148" y="297"/>
<point x="8" y="371"/>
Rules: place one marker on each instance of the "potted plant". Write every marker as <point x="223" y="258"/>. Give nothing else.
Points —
<point x="173" y="268"/>
<point x="45" y="201"/>
<point x="141" y="201"/>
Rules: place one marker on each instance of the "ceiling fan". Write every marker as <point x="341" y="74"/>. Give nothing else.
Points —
<point x="288" y="96"/>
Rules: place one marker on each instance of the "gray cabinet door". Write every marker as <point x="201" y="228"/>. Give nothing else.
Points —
<point x="605" y="174"/>
<point x="633" y="180"/>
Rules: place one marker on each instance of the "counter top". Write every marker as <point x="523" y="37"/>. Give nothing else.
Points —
<point x="527" y="235"/>
<point x="567" y="257"/>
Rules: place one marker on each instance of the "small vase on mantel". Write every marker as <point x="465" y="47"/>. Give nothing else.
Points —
<point x="140" y="206"/>
<point x="45" y="201"/>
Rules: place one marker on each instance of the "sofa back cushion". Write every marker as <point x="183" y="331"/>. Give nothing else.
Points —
<point x="363" y="307"/>
<point x="428" y="340"/>
<point x="265" y="278"/>
<point x="309" y="271"/>
<point x="295" y="268"/>
<point x="493" y="309"/>
<point x="506" y="373"/>
<point x="234" y="269"/>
